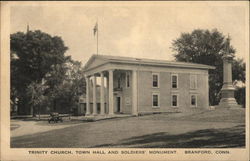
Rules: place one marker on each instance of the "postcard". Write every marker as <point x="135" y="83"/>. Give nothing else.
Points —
<point x="125" y="80"/>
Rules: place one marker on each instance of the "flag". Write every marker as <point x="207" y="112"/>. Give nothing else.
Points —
<point x="95" y="28"/>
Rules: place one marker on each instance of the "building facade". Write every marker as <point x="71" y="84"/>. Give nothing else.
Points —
<point x="138" y="86"/>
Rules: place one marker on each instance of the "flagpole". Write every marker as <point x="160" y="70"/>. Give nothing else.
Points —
<point x="97" y="38"/>
<point x="96" y="32"/>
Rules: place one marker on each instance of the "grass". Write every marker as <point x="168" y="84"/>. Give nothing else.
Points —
<point x="208" y="129"/>
<point x="208" y="138"/>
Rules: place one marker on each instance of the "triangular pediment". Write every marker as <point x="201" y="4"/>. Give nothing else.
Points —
<point x="97" y="60"/>
<point x="94" y="61"/>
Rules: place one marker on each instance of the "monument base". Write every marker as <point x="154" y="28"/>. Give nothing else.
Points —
<point x="229" y="103"/>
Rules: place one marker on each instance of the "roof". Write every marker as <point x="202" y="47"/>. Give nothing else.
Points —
<point x="144" y="61"/>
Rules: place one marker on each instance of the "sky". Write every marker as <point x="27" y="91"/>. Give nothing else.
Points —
<point x="135" y="29"/>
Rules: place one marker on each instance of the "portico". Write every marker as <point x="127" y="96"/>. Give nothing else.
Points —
<point x="114" y="93"/>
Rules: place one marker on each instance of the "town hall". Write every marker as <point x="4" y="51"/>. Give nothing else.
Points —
<point x="137" y="86"/>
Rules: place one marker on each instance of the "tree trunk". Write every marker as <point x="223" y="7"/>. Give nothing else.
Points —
<point x="33" y="111"/>
<point x="23" y="106"/>
<point x="19" y="106"/>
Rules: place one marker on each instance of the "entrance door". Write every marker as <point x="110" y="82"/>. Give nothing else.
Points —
<point x="118" y="101"/>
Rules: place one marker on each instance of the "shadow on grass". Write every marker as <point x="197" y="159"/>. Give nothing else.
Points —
<point x="208" y="138"/>
<point x="72" y="137"/>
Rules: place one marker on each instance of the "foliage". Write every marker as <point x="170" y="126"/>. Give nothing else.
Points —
<point x="208" y="47"/>
<point x="42" y="77"/>
<point x="239" y="70"/>
<point x="36" y="91"/>
<point x="33" y="55"/>
<point x="240" y="96"/>
<point x="66" y="83"/>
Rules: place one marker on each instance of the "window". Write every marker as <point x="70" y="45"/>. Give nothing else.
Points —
<point x="174" y="80"/>
<point x="193" y="81"/>
<point x="127" y="80"/>
<point x="155" y="99"/>
<point x="174" y="100"/>
<point x="193" y="100"/>
<point x="155" y="78"/>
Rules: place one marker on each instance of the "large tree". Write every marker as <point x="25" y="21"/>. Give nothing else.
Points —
<point x="33" y="55"/>
<point x="66" y="83"/>
<point x="208" y="47"/>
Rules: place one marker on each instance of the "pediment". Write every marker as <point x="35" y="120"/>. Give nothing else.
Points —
<point x="94" y="61"/>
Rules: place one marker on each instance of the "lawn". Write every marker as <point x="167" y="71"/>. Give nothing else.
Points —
<point x="210" y="129"/>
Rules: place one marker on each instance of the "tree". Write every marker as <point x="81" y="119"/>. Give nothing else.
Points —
<point x="238" y="74"/>
<point x="33" y="55"/>
<point x="239" y="70"/>
<point x="36" y="93"/>
<point x="208" y="47"/>
<point x="65" y="84"/>
<point x="76" y="79"/>
<point x="54" y="79"/>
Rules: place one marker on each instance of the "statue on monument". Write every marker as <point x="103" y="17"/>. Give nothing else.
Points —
<point x="227" y="91"/>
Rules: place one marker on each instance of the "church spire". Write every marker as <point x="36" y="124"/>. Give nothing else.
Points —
<point x="28" y="28"/>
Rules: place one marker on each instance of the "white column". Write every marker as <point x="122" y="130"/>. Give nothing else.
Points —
<point x="87" y="96"/>
<point x="111" y="95"/>
<point x="107" y="94"/>
<point x="102" y="95"/>
<point x="94" y="96"/>
<point x="134" y="92"/>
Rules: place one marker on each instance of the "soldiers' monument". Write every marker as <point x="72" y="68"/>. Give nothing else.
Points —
<point x="227" y="91"/>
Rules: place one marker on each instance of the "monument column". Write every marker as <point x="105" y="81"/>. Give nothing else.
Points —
<point x="227" y="91"/>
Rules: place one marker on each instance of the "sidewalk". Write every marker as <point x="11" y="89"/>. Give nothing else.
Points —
<point x="20" y="127"/>
<point x="31" y="125"/>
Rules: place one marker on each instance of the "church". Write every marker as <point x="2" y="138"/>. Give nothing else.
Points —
<point x="134" y="86"/>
